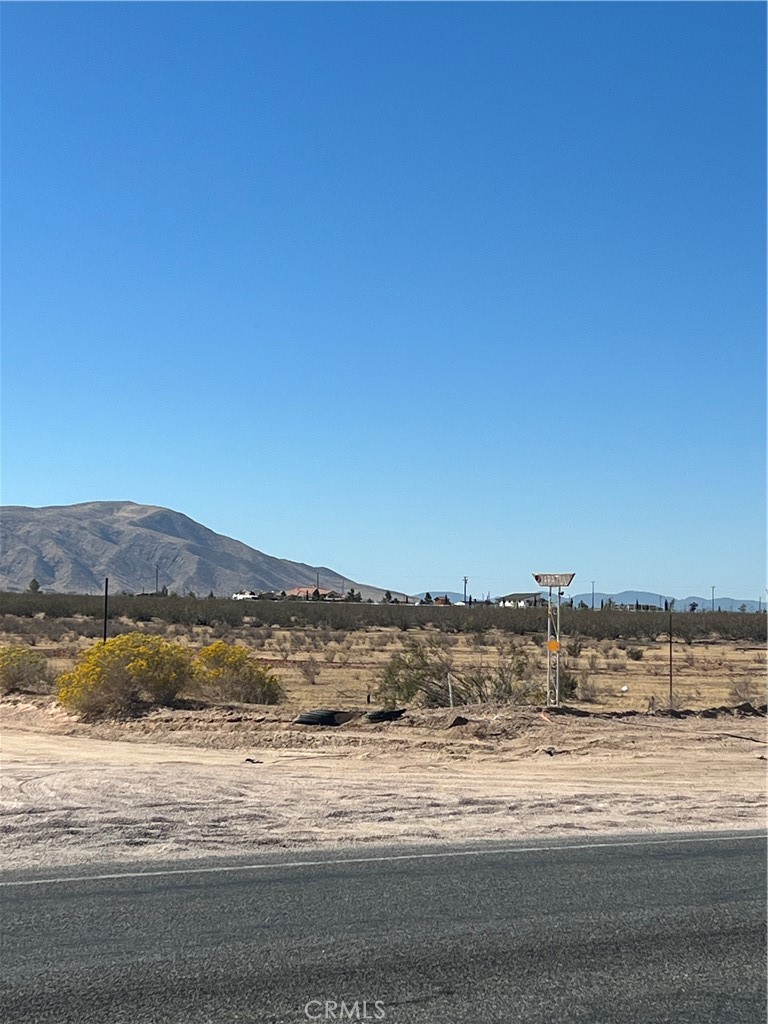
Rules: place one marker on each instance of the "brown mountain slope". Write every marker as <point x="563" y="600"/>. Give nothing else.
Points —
<point x="71" y="548"/>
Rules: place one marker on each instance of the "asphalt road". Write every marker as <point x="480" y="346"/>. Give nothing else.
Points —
<point x="616" y="930"/>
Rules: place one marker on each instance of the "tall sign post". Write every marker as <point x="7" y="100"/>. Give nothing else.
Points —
<point x="553" y="581"/>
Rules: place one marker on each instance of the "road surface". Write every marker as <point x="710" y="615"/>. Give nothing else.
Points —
<point x="663" y="929"/>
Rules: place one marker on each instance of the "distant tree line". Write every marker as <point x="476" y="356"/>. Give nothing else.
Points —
<point x="610" y="623"/>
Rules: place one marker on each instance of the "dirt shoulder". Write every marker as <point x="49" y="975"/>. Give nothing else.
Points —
<point x="226" y="781"/>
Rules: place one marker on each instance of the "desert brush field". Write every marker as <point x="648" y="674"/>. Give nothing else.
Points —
<point x="200" y="778"/>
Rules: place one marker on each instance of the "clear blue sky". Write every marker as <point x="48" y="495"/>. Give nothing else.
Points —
<point x="410" y="290"/>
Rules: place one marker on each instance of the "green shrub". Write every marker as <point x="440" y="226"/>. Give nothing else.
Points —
<point x="227" y="673"/>
<point x="418" y="674"/>
<point x="115" y="677"/>
<point x="568" y="682"/>
<point x="21" y="668"/>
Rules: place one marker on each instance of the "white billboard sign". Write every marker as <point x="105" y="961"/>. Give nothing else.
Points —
<point x="554" y="579"/>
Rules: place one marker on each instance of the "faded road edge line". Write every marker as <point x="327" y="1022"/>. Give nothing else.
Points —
<point x="431" y="855"/>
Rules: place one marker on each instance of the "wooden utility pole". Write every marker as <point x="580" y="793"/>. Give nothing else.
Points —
<point x="670" y="660"/>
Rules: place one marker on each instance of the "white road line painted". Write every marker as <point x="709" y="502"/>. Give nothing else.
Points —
<point x="433" y="855"/>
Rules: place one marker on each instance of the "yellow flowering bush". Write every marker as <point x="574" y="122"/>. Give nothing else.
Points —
<point x="22" y="668"/>
<point x="225" y="672"/>
<point x="112" y="678"/>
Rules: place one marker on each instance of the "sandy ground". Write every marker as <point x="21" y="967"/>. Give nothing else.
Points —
<point x="177" y="783"/>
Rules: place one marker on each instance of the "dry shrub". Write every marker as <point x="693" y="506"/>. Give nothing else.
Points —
<point x="21" y="668"/>
<point x="587" y="690"/>
<point x="422" y="672"/>
<point x="115" y="677"/>
<point x="376" y="641"/>
<point x="309" y="671"/>
<point x="574" y="647"/>
<point x="283" y="648"/>
<point x="747" y="690"/>
<point x="227" y="673"/>
<point x="259" y="636"/>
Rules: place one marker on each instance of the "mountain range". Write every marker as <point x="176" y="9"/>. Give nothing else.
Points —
<point x="72" y="548"/>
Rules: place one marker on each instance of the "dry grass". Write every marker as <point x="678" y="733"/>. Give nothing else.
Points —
<point x="321" y="666"/>
<point x="178" y="783"/>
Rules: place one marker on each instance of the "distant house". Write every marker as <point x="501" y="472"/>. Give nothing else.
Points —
<point x="313" y="594"/>
<point x="443" y="600"/>
<point x="306" y="593"/>
<point x="521" y="601"/>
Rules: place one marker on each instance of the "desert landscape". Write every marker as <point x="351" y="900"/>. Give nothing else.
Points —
<point x="202" y="779"/>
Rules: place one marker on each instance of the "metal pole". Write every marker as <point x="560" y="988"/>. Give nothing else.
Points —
<point x="670" y="659"/>
<point x="593" y="595"/>
<point x="106" y="606"/>
<point x="549" y="652"/>
<point x="466" y="580"/>
<point x="557" y="656"/>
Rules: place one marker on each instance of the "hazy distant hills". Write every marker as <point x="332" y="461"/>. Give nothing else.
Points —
<point x="72" y="548"/>
<point x="726" y="604"/>
<point x="631" y="597"/>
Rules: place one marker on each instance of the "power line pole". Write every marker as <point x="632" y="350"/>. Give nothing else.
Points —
<point x="670" y="661"/>
<point x="106" y="606"/>
<point x="466" y="581"/>
<point x="593" y="595"/>
<point x="713" y="598"/>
